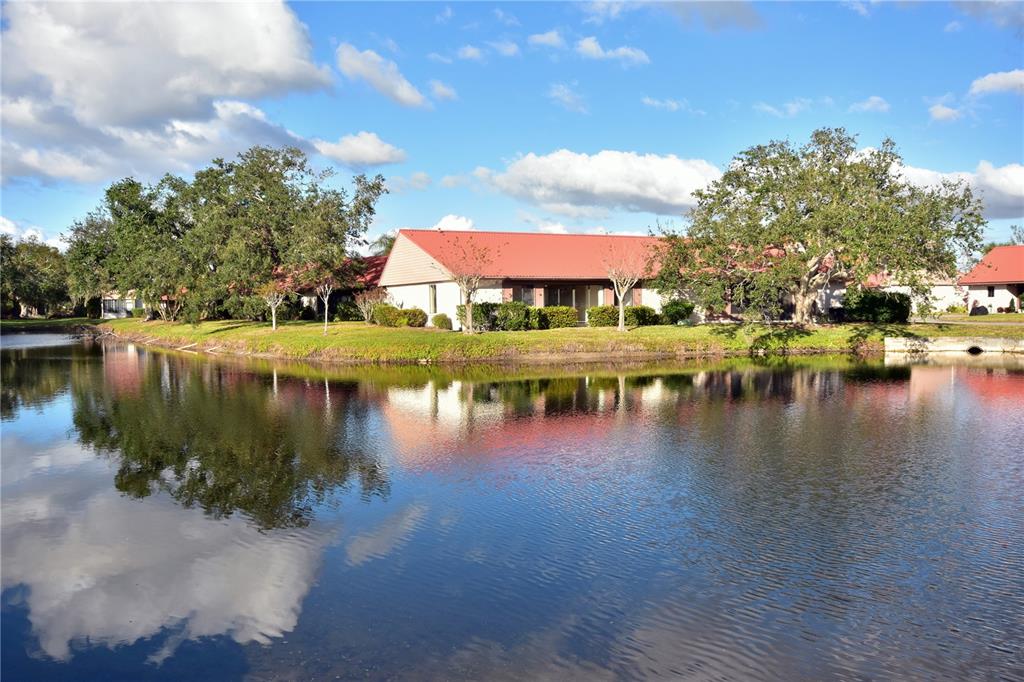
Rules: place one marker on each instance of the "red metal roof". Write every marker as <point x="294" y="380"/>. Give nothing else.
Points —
<point x="535" y="255"/>
<point x="1001" y="265"/>
<point x="374" y="265"/>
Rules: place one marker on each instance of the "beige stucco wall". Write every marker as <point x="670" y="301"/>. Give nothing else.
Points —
<point x="409" y="264"/>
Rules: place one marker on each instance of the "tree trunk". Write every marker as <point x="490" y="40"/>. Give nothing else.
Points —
<point x="803" y="306"/>
<point x="325" y="314"/>
<point x="622" y="314"/>
<point x="273" y="318"/>
<point x="467" y="324"/>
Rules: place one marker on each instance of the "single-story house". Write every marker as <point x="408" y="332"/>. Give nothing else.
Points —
<point x="943" y="292"/>
<point x="370" y="268"/>
<point x="114" y="304"/>
<point x="538" y="269"/>
<point x="997" y="280"/>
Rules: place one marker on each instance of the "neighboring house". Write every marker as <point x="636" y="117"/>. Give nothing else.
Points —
<point x="997" y="279"/>
<point x="943" y="292"/>
<point x="535" y="268"/>
<point x="113" y="305"/>
<point x="369" y="278"/>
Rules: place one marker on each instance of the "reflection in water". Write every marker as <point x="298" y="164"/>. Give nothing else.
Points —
<point x="832" y="519"/>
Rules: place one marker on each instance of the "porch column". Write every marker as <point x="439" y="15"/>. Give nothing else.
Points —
<point x="636" y="294"/>
<point x="506" y="291"/>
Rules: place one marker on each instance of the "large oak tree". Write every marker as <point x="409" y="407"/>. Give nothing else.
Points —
<point x="784" y="222"/>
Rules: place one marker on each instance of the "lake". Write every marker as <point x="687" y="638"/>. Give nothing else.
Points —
<point x="178" y="517"/>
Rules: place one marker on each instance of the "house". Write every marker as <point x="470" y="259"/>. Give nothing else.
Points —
<point x="114" y="305"/>
<point x="997" y="280"/>
<point x="369" y="269"/>
<point x="538" y="269"/>
<point x="943" y="292"/>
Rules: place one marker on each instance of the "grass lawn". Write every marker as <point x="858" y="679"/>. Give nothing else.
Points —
<point x="43" y="323"/>
<point x="991" y="317"/>
<point x="358" y="342"/>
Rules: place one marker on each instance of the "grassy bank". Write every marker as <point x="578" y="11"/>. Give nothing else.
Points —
<point x="61" y="324"/>
<point x="357" y="342"/>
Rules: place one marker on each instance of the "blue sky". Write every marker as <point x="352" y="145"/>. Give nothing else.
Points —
<point x="552" y="116"/>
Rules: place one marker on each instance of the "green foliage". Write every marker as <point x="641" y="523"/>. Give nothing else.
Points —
<point x="441" y="321"/>
<point x="33" y="276"/>
<point x="868" y="305"/>
<point x="641" y="316"/>
<point x="483" y="315"/>
<point x="959" y="309"/>
<point x="677" y="311"/>
<point x="414" y="317"/>
<point x="1011" y="308"/>
<point x="559" y="316"/>
<point x="535" y="318"/>
<point x="783" y="222"/>
<point x="513" y="316"/>
<point x="602" y="316"/>
<point x="347" y="311"/>
<point x="387" y="315"/>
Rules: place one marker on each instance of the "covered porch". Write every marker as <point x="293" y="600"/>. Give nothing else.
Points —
<point x="578" y="294"/>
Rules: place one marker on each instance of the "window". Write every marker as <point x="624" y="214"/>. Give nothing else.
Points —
<point x="432" y="292"/>
<point x="991" y="292"/>
<point x="523" y="294"/>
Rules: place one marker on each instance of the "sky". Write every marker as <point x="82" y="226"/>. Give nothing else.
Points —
<point x="559" y="117"/>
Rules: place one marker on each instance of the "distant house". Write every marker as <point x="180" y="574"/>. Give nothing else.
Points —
<point x="114" y="305"/>
<point x="370" y="268"/>
<point x="997" y="280"/>
<point x="537" y="269"/>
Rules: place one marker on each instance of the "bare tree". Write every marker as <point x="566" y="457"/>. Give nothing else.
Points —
<point x="324" y="290"/>
<point x="369" y="299"/>
<point x="467" y="262"/>
<point x="273" y="293"/>
<point x="626" y="265"/>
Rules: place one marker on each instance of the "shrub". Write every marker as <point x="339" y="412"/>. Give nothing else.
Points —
<point x="483" y="315"/>
<point x="387" y="315"/>
<point x="960" y="309"/>
<point x="369" y="299"/>
<point x="876" y="306"/>
<point x="556" y="316"/>
<point x="414" y="317"/>
<point x="513" y="316"/>
<point x="602" y="316"/>
<point x="677" y="311"/>
<point x="441" y="321"/>
<point x="1011" y="308"/>
<point x="347" y="311"/>
<point x="639" y="316"/>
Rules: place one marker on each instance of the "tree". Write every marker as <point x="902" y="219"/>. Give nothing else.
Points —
<point x="274" y="292"/>
<point x="369" y="299"/>
<point x="382" y="245"/>
<point x="90" y="245"/>
<point x="467" y="262"/>
<point x="783" y="222"/>
<point x="625" y="267"/>
<point x="34" y="276"/>
<point x="1016" y="239"/>
<point x="7" y="272"/>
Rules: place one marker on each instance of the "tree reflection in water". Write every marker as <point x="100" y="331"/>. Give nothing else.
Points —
<point x="224" y="439"/>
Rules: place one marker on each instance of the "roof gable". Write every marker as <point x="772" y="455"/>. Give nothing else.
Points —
<point x="1001" y="265"/>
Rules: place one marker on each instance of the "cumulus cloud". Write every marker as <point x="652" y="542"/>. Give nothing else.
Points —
<point x="441" y="91"/>
<point x="470" y="53"/>
<point x="1004" y="14"/>
<point x="360" y="150"/>
<point x="787" y="110"/>
<point x="380" y="73"/>
<point x="1001" y="188"/>
<point x="454" y="222"/>
<point x="550" y="39"/>
<point x="417" y="181"/>
<point x="575" y="184"/>
<point x="444" y="16"/>
<point x="871" y="104"/>
<point x="563" y="95"/>
<point x="439" y="58"/>
<point x="1003" y="81"/>
<point x="505" y="17"/>
<point x="591" y="49"/>
<point x="506" y="48"/>
<point x="857" y="7"/>
<point x="18" y="232"/>
<point x="941" y="112"/>
<point x="105" y="555"/>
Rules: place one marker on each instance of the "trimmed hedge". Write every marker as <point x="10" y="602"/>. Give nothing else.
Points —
<point x="387" y="315"/>
<point x="414" y="317"/>
<point x="441" y="321"/>
<point x="556" y="316"/>
<point x="483" y="315"/>
<point x="513" y="316"/>
<point x="867" y="305"/>
<point x="677" y="311"/>
<point x="608" y="316"/>
<point x="347" y="312"/>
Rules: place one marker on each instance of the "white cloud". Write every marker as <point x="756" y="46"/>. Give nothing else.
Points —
<point x="441" y="91"/>
<point x="444" y="16"/>
<point x="1001" y="188"/>
<point x="471" y="53"/>
<point x="941" y="112"/>
<point x="550" y="39"/>
<point x="714" y="15"/>
<point x="953" y="27"/>
<point x="874" y="103"/>
<point x="84" y="57"/>
<point x="787" y="110"/>
<point x="1003" y="81"/>
<point x="8" y="226"/>
<point x="506" y="48"/>
<point x="568" y="98"/>
<point x="417" y="181"/>
<point x="856" y="6"/>
<point x="575" y="184"/>
<point x="441" y="59"/>
<point x="452" y="181"/>
<point x="360" y="150"/>
<point x="1002" y="14"/>
<point x="454" y="222"/>
<point x="591" y="49"/>
<point x="669" y="104"/>
<point x="505" y="18"/>
<point x="382" y="75"/>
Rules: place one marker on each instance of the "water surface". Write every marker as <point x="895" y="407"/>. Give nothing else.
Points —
<point x="169" y="516"/>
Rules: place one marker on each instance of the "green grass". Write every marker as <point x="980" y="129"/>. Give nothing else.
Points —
<point x="991" y="317"/>
<point x="43" y="323"/>
<point x="358" y="342"/>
